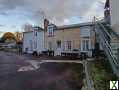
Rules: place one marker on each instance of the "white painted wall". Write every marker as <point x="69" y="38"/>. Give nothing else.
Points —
<point x="40" y="42"/>
<point x="26" y="41"/>
<point x="114" y="11"/>
<point x="37" y="42"/>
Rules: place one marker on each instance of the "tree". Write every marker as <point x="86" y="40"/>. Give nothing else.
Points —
<point x="18" y="36"/>
<point x="8" y="36"/>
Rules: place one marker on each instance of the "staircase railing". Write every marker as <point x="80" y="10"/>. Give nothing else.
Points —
<point x="104" y="39"/>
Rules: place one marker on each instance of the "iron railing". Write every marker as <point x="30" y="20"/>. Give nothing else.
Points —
<point x="104" y="39"/>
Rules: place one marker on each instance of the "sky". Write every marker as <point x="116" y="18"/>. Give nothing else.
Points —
<point x="14" y="14"/>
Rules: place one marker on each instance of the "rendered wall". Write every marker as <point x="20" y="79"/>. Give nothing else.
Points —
<point x="114" y="11"/>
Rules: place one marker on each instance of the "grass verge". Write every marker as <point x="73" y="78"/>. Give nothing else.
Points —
<point x="102" y="73"/>
<point x="78" y="75"/>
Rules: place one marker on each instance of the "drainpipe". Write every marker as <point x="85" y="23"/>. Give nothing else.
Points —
<point x="97" y="44"/>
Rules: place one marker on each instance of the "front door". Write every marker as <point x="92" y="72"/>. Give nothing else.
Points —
<point x="58" y="49"/>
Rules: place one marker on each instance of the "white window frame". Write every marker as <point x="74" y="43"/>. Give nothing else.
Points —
<point x="69" y="45"/>
<point x="50" y="31"/>
<point x="84" y="45"/>
<point x="31" y="45"/>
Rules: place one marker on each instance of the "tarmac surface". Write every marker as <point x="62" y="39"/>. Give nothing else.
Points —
<point x="17" y="74"/>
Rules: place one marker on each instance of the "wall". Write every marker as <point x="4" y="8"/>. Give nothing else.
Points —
<point x="37" y="41"/>
<point x="75" y="34"/>
<point x="114" y="10"/>
<point x="26" y="41"/>
<point x="65" y="35"/>
<point x="40" y="41"/>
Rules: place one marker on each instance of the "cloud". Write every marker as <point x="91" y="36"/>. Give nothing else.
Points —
<point x="58" y="11"/>
<point x="95" y="10"/>
<point x="11" y="4"/>
<point x="4" y="13"/>
<point x="1" y="25"/>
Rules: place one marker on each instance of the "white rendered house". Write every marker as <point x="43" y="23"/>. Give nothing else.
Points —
<point x="33" y="41"/>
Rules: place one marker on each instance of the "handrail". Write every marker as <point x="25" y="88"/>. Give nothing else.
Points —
<point x="109" y="49"/>
<point x="106" y="46"/>
<point x="104" y="28"/>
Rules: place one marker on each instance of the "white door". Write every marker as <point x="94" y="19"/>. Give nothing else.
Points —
<point x="85" y="45"/>
<point x="58" y="48"/>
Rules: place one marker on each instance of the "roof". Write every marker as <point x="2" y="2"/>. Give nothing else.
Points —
<point x="74" y="26"/>
<point x="39" y="29"/>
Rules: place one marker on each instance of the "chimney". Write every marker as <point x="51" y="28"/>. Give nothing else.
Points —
<point x="46" y="22"/>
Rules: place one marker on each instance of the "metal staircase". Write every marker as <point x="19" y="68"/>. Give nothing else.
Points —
<point x="107" y="38"/>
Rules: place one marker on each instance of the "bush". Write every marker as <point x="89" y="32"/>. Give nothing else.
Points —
<point x="102" y="73"/>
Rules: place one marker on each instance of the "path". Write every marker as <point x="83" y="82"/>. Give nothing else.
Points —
<point x="88" y="77"/>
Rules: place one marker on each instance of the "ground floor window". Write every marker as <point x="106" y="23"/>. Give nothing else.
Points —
<point x="85" y="45"/>
<point x="35" y="44"/>
<point x="69" y="45"/>
<point x="31" y="45"/>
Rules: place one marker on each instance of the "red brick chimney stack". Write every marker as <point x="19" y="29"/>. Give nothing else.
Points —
<point x="46" y="22"/>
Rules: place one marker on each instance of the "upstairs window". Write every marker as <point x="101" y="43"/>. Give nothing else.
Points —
<point x="85" y="31"/>
<point x="50" y="31"/>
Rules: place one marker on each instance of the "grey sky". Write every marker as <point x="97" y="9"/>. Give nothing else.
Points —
<point x="58" y="11"/>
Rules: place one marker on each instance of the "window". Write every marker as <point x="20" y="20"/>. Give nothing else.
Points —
<point x="35" y="33"/>
<point x="58" y="44"/>
<point x="31" y="46"/>
<point x="50" y="31"/>
<point x="35" y="44"/>
<point x="85" y="45"/>
<point x="69" y="45"/>
<point x="85" y="31"/>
